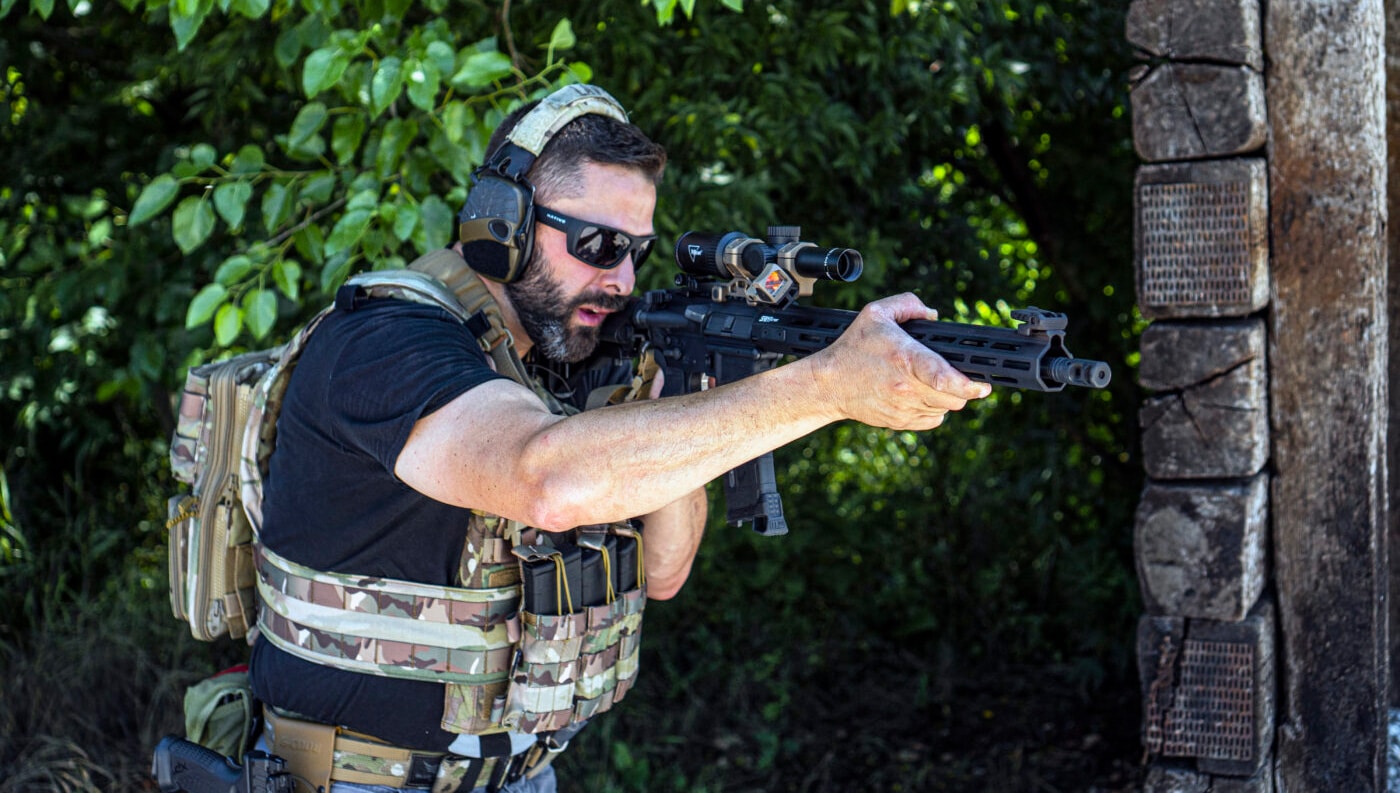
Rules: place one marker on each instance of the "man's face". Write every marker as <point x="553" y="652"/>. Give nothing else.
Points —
<point x="562" y="301"/>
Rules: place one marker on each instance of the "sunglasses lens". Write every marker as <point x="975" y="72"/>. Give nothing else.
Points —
<point x="643" y="251"/>
<point x="604" y="247"/>
<point x="597" y="246"/>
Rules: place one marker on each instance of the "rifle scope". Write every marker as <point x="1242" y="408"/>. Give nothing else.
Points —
<point x="737" y="255"/>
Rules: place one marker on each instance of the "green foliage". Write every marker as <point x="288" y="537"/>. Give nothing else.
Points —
<point x="190" y="178"/>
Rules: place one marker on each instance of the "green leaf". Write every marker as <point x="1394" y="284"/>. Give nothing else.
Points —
<point x="41" y="7"/>
<point x="733" y="5"/>
<point x="231" y="200"/>
<point x="186" y="23"/>
<point x="436" y="225"/>
<point x="323" y="69"/>
<point x="386" y="85"/>
<point x="193" y="223"/>
<point x="398" y="134"/>
<point x="311" y="244"/>
<point x="456" y="117"/>
<point x="348" y="230"/>
<point x="260" y="311"/>
<point x="306" y="125"/>
<point x="481" y="69"/>
<point x="233" y="270"/>
<point x="366" y="196"/>
<point x="454" y="158"/>
<point x="253" y="9"/>
<point x="405" y="220"/>
<point x="582" y="71"/>
<point x="334" y="272"/>
<point x="424" y="81"/>
<point x="204" y="303"/>
<point x="5" y="6"/>
<point x="288" y="47"/>
<point x="276" y="206"/>
<point x="154" y="199"/>
<point x="227" y="323"/>
<point x="317" y="189"/>
<point x="249" y="160"/>
<point x="441" y="55"/>
<point x="286" y="273"/>
<point x="346" y="135"/>
<point x="202" y="156"/>
<point x="562" y="38"/>
<point x="665" y="11"/>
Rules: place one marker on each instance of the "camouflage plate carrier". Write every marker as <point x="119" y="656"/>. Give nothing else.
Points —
<point x="504" y="668"/>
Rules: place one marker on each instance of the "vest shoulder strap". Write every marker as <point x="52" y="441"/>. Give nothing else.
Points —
<point x="483" y="317"/>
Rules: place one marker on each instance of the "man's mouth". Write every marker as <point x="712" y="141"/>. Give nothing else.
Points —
<point x="591" y="315"/>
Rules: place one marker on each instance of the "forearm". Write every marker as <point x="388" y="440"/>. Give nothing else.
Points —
<point x="639" y="457"/>
<point x="671" y="538"/>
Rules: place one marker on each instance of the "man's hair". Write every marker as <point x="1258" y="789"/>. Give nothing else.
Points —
<point x="589" y="138"/>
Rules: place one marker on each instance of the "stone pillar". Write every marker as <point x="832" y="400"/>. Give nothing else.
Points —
<point x="1206" y="646"/>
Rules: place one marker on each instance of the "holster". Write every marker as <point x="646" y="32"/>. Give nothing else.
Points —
<point x="308" y="747"/>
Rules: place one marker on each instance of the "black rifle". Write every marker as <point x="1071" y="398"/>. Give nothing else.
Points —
<point x="735" y="314"/>
<point x="180" y="765"/>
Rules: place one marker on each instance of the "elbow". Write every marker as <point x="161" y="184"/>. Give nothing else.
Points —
<point x="553" y="517"/>
<point x="663" y="590"/>
<point x="666" y="584"/>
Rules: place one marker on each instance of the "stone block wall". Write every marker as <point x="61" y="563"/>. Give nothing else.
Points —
<point x="1201" y="226"/>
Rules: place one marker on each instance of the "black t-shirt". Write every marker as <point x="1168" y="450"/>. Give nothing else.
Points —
<point x="331" y="500"/>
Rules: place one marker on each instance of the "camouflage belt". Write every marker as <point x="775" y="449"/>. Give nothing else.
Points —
<point x="363" y="760"/>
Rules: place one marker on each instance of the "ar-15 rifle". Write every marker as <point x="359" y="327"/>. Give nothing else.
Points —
<point x="180" y="765"/>
<point x="735" y="314"/>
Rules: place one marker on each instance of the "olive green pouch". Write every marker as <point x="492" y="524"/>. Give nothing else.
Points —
<point x="220" y="713"/>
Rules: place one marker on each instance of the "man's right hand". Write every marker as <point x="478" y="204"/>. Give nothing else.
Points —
<point x="879" y="375"/>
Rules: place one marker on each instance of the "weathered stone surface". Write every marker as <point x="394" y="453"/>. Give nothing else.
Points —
<point x="1189" y="111"/>
<point x="1201" y="238"/>
<point x="1209" y="691"/>
<point x="1175" y="779"/>
<point x="1162" y="778"/>
<point x="1202" y="548"/>
<point x="1328" y="355"/>
<point x="1213" y="420"/>
<point x="1223" y="31"/>
<point x="1262" y="782"/>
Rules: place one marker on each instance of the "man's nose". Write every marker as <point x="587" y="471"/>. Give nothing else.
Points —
<point x="620" y="279"/>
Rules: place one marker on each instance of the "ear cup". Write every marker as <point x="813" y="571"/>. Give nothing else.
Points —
<point x="496" y="227"/>
<point x="497" y="224"/>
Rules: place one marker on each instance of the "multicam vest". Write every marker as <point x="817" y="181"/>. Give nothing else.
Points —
<point x="504" y="667"/>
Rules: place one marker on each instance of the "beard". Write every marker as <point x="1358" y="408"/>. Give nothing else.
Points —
<point x="548" y="317"/>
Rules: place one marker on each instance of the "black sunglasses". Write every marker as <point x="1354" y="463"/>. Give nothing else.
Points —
<point x="601" y="246"/>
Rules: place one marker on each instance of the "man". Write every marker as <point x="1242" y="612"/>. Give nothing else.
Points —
<point x="405" y="453"/>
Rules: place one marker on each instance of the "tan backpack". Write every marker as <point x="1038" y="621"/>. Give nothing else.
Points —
<point x="224" y="435"/>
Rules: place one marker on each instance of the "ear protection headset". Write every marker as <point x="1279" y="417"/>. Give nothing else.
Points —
<point x="497" y="223"/>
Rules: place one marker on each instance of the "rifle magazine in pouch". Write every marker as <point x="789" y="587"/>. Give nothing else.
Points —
<point x="540" y="697"/>
<point x="610" y="618"/>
